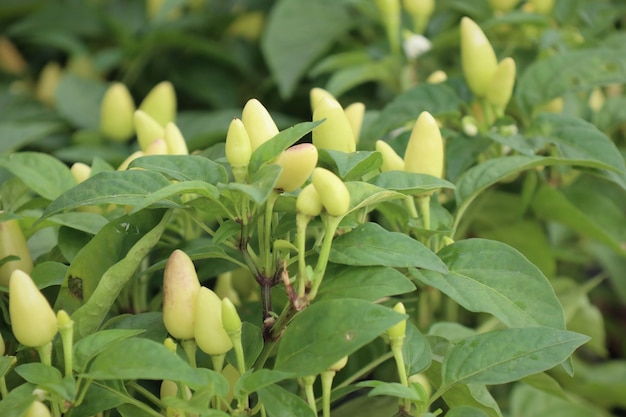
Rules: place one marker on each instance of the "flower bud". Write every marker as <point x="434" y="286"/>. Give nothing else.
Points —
<point x="13" y="243"/>
<point x="175" y="141"/>
<point x="170" y="344"/>
<point x="424" y="153"/>
<point x="37" y="409"/>
<point x="420" y="12"/>
<point x="230" y="318"/>
<point x="333" y="192"/>
<point x="258" y="123"/>
<point x="501" y="85"/>
<point x="209" y="331"/>
<point x="180" y="291"/>
<point x="391" y="160"/>
<point x="477" y="57"/>
<point x="47" y="83"/>
<point x="398" y="330"/>
<point x="148" y="130"/>
<point x="116" y="113"/>
<point x="64" y="321"/>
<point x="298" y="163"/>
<point x="437" y="77"/>
<point x="32" y="319"/>
<point x="316" y="94"/>
<point x="80" y="171"/>
<point x="309" y="202"/>
<point x="469" y="125"/>
<point x="355" y="112"/>
<point x="335" y="132"/>
<point x="160" y="103"/>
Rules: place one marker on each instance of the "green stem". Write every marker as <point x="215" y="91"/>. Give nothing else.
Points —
<point x="146" y="393"/>
<point x="190" y="347"/>
<point x="218" y="362"/>
<point x="235" y="337"/>
<point x="277" y="329"/>
<point x="330" y="226"/>
<point x="3" y="387"/>
<point x="396" y="349"/>
<point x="266" y="253"/>
<point x="424" y="312"/>
<point x="45" y="353"/>
<point x="67" y="340"/>
<point x="327" y="384"/>
<point x="424" y="205"/>
<point x="302" y="220"/>
<point x="310" y="394"/>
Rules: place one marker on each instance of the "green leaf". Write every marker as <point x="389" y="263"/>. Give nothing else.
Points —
<point x="48" y="378"/>
<point x="415" y="350"/>
<point x="81" y="220"/>
<point x="139" y="358"/>
<point x="329" y="330"/>
<point x="78" y="100"/>
<point x="253" y="381"/>
<point x="438" y="99"/>
<point x="116" y="187"/>
<point x="18" y="134"/>
<point x="393" y="389"/>
<point x="17" y="401"/>
<point x="366" y="195"/>
<point x="294" y="23"/>
<point x="370" y="244"/>
<point x="262" y="184"/>
<point x="88" y="347"/>
<point x="545" y="383"/>
<point x="507" y="355"/>
<point x="183" y="167"/>
<point x="269" y="150"/>
<point x="489" y="276"/>
<point x="278" y="402"/>
<point x="465" y="411"/>
<point x="345" y="79"/>
<point x="42" y="173"/>
<point x="588" y="213"/>
<point x="578" y="141"/>
<point x="373" y="282"/>
<point x="409" y="182"/>
<point x="104" y="266"/>
<point x="350" y="166"/>
<point x="171" y="192"/>
<point x="568" y="72"/>
<point x="100" y="396"/>
<point x="528" y="401"/>
<point x="48" y="274"/>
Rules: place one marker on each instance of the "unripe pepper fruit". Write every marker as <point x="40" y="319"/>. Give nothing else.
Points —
<point x="175" y="141"/>
<point x="180" y="292"/>
<point x="148" y="130"/>
<point x="33" y="321"/>
<point x="333" y="192"/>
<point x="13" y="242"/>
<point x="209" y="331"/>
<point x="258" y="123"/>
<point x="160" y="103"/>
<point x="398" y="330"/>
<point x="501" y="85"/>
<point x="308" y="201"/>
<point x="335" y="133"/>
<point x="37" y="409"/>
<point x="298" y="163"/>
<point x="425" y="152"/>
<point x="391" y="160"/>
<point x="116" y="113"/>
<point x="477" y="57"/>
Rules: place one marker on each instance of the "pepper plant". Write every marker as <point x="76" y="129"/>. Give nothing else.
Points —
<point x="427" y="249"/>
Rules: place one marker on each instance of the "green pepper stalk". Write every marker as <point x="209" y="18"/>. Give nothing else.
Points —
<point x="232" y="324"/>
<point x="396" y="335"/>
<point x="308" y="205"/>
<point x="66" y="330"/>
<point x="327" y="377"/>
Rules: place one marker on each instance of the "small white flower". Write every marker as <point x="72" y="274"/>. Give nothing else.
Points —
<point x="416" y="45"/>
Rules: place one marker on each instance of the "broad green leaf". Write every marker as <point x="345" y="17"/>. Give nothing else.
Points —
<point x="370" y="244"/>
<point x="17" y="401"/>
<point x="100" y="396"/>
<point x="329" y="330"/>
<point x="489" y="276"/>
<point x="567" y="72"/>
<point x="507" y="355"/>
<point x="415" y="350"/>
<point x="438" y="99"/>
<point x="344" y="79"/>
<point x="95" y="290"/>
<point x="18" y="134"/>
<point x="269" y="150"/>
<point x="393" y="389"/>
<point x="350" y="166"/>
<point x="577" y="140"/>
<point x="340" y="60"/>
<point x="409" y="182"/>
<point x="529" y="401"/>
<point x="373" y="282"/>
<point x="253" y="381"/>
<point x="183" y="167"/>
<point x="116" y="187"/>
<point x="367" y="406"/>
<point x="48" y="274"/>
<point x="78" y="100"/>
<point x="261" y="184"/>
<point x="278" y="402"/>
<point x="294" y="23"/>
<point x="140" y="358"/>
<point x="366" y="195"/>
<point x="465" y="411"/>
<point x="149" y="322"/>
<point x="42" y="173"/>
<point x="88" y="347"/>
<point x="603" y="383"/>
<point x="171" y="192"/>
<point x="588" y="213"/>
<point x="80" y="220"/>
<point x="38" y="373"/>
<point x="226" y="230"/>
<point x="478" y="178"/>
<point x="545" y="383"/>
<point x="6" y="362"/>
